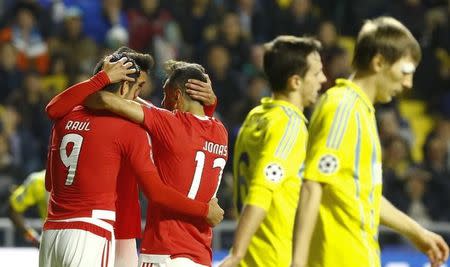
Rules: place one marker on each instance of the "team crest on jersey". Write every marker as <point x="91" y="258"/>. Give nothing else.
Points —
<point x="274" y="172"/>
<point x="328" y="164"/>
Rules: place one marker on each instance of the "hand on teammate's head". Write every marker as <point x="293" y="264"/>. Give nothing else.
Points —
<point x="119" y="70"/>
<point x="201" y="91"/>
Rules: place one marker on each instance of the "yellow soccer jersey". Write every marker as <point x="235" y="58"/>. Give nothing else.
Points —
<point x="268" y="159"/>
<point x="344" y="154"/>
<point x="32" y="192"/>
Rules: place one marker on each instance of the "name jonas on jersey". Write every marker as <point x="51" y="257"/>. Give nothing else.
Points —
<point x="211" y="147"/>
<point x="77" y="125"/>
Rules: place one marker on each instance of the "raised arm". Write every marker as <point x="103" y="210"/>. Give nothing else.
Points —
<point x="203" y="92"/>
<point x="112" y="72"/>
<point x="429" y="243"/>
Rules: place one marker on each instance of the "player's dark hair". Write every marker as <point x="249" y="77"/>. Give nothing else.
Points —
<point x="385" y="36"/>
<point x="141" y="62"/>
<point x="179" y="72"/>
<point x="286" y="56"/>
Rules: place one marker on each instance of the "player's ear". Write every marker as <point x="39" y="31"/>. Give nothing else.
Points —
<point x="124" y="88"/>
<point x="178" y="95"/>
<point x="377" y="63"/>
<point x="294" y="82"/>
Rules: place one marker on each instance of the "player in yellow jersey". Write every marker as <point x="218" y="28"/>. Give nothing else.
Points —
<point x="31" y="193"/>
<point x="269" y="154"/>
<point x="341" y="205"/>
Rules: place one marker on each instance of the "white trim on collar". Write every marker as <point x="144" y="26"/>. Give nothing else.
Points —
<point x="203" y="118"/>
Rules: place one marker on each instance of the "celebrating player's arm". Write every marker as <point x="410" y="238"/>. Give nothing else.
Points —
<point x="112" y="72"/>
<point x="133" y="110"/>
<point x="154" y="189"/>
<point x="30" y="193"/>
<point x="201" y="91"/>
<point x="429" y="243"/>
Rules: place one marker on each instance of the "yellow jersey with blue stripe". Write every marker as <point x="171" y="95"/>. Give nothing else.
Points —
<point x="31" y="193"/>
<point x="344" y="154"/>
<point x="267" y="166"/>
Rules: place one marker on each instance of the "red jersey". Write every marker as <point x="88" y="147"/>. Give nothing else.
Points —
<point x="128" y="217"/>
<point x="86" y="153"/>
<point x="87" y="149"/>
<point x="190" y="153"/>
<point x="128" y="213"/>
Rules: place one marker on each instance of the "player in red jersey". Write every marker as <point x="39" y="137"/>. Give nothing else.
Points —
<point x="87" y="151"/>
<point x="190" y="152"/>
<point x="128" y="219"/>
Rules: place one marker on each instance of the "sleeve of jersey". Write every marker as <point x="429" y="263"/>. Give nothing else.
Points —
<point x="23" y="197"/>
<point x="327" y="129"/>
<point x="48" y="179"/>
<point x="73" y="96"/>
<point x="209" y="110"/>
<point x="48" y="176"/>
<point x="271" y="167"/>
<point x="152" y="185"/>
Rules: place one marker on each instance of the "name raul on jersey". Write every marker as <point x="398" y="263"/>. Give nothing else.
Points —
<point x="211" y="147"/>
<point x="78" y="125"/>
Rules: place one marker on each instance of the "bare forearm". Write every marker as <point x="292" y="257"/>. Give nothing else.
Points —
<point x="143" y="102"/>
<point x="305" y="221"/>
<point x="126" y="108"/>
<point x="17" y="220"/>
<point x="250" y="220"/>
<point x="398" y="221"/>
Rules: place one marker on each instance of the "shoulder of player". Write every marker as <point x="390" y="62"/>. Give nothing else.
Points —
<point x="221" y="128"/>
<point x="152" y="108"/>
<point x="127" y="127"/>
<point x="35" y="177"/>
<point x="337" y="97"/>
<point x="280" y="115"/>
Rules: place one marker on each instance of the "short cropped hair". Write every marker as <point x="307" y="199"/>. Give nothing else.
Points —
<point x="144" y="63"/>
<point x="286" y="56"/>
<point x="385" y="36"/>
<point x="179" y="72"/>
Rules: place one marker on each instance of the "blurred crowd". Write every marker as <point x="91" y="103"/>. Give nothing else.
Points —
<point x="47" y="45"/>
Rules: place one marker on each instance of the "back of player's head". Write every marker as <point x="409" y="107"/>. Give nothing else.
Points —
<point x="286" y="56"/>
<point x="144" y="61"/>
<point x="179" y="72"/>
<point x="385" y="36"/>
<point x="140" y="62"/>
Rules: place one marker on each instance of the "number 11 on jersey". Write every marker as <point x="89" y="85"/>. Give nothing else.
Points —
<point x="200" y="160"/>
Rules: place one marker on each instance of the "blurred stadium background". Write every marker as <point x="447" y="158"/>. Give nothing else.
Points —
<point x="47" y="45"/>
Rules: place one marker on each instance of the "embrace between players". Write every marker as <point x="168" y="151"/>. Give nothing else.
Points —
<point x="335" y="163"/>
<point x="97" y="159"/>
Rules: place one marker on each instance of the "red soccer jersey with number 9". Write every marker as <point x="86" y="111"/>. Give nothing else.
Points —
<point x="86" y="153"/>
<point x="190" y="153"/>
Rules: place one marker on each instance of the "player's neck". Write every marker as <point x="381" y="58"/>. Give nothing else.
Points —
<point x="367" y="83"/>
<point x="292" y="97"/>
<point x="195" y="108"/>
